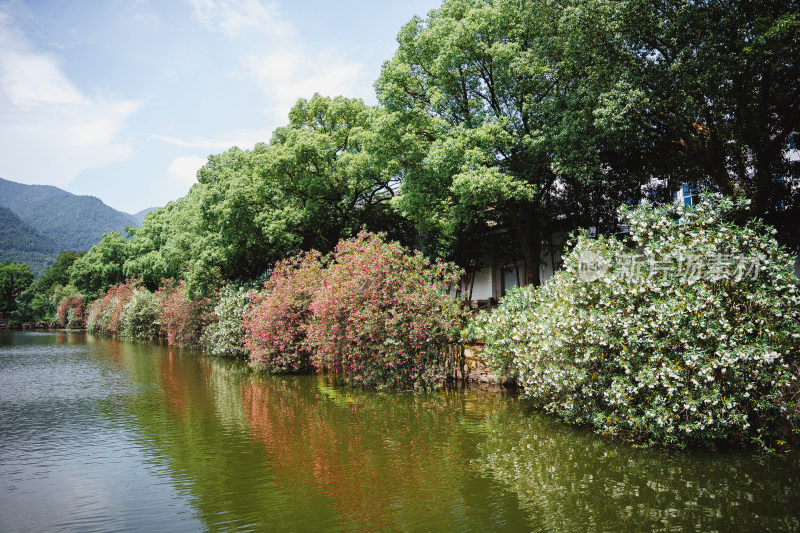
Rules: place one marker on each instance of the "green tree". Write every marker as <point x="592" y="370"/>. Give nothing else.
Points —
<point x="167" y="243"/>
<point x="705" y="92"/>
<point x="14" y="279"/>
<point x="101" y="266"/>
<point x="36" y="302"/>
<point x="321" y="178"/>
<point x="244" y="219"/>
<point x="543" y="115"/>
<point x="331" y="163"/>
<point x="494" y="134"/>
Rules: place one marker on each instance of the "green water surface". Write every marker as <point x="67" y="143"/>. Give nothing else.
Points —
<point x="107" y="435"/>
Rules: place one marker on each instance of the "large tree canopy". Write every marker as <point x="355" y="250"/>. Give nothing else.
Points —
<point x="101" y="266"/>
<point x="506" y="139"/>
<point x="713" y="86"/>
<point x="539" y="115"/>
<point x="321" y="178"/>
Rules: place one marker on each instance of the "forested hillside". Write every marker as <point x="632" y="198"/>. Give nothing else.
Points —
<point x="72" y="222"/>
<point x="20" y="243"/>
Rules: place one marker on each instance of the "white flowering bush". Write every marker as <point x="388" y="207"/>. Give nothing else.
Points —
<point x="139" y="318"/>
<point x="687" y="333"/>
<point x="99" y="315"/>
<point x="225" y="336"/>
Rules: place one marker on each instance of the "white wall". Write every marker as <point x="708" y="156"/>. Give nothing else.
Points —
<point x="482" y="289"/>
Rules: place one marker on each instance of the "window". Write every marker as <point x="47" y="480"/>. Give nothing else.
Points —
<point x="688" y="194"/>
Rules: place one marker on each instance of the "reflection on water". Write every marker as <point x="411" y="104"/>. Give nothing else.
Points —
<point x="568" y="480"/>
<point x="383" y="461"/>
<point x="99" y="434"/>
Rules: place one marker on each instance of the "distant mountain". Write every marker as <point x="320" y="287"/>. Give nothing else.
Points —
<point x="73" y="222"/>
<point x="143" y="213"/>
<point x="16" y="195"/>
<point x="20" y="243"/>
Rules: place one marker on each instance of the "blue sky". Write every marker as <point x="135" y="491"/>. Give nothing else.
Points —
<point x="125" y="99"/>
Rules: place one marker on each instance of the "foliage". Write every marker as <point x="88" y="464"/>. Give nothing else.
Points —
<point x="540" y="116"/>
<point x="383" y="317"/>
<point x="276" y="324"/>
<point x="225" y="336"/>
<point x="20" y="243"/>
<point x="319" y="179"/>
<point x="104" y="315"/>
<point x="494" y="114"/>
<point x="168" y="243"/>
<point x="14" y="279"/>
<point x="335" y="151"/>
<point x="140" y="315"/>
<point x="702" y="92"/>
<point x="725" y="104"/>
<point x="692" y="337"/>
<point x="40" y="301"/>
<point x="182" y="320"/>
<point x="100" y="267"/>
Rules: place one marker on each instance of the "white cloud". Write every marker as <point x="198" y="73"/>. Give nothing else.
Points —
<point x="244" y="139"/>
<point x="285" y="76"/>
<point x="27" y="78"/>
<point x="49" y="130"/>
<point x="184" y="169"/>
<point x="281" y="65"/>
<point x="141" y="12"/>
<point x="236" y="19"/>
<point x="30" y="79"/>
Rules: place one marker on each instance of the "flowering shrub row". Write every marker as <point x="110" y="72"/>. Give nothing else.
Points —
<point x="373" y="313"/>
<point x="657" y="355"/>
<point x="104" y="315"/>
<point x="378" y="316"/>
<point x="131" y="310"/>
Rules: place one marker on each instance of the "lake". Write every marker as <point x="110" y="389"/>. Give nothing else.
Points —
<point x="107" y="435"/>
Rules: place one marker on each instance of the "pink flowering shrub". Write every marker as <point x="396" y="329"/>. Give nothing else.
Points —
<point x="275" y="325"/>
<point x="70" y="312"/>
<point x="105" y="313"/>
<point x="382" y="317"/>
<point x="182" y="320"/>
